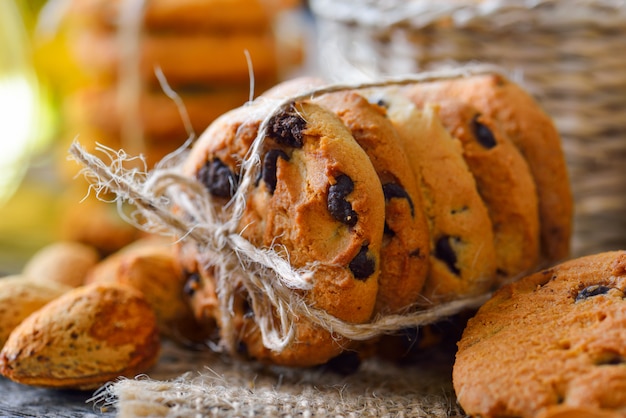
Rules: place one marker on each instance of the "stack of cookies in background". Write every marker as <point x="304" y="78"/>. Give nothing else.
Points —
<point x="215" y="55"/>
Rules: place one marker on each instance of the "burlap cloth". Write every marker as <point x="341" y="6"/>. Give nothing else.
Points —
<point x="189" y="383"/>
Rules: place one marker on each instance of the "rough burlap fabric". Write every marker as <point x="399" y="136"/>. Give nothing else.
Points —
<point x="202" y="383"/>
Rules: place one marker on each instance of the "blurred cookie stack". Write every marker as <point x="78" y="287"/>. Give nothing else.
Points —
<point x="214" y="55"/>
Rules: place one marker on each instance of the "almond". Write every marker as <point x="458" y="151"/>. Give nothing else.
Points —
<point x="19" y="297"/>
<point x="83" y="339"/>
<point x="150" y="266"/>
<point x="65" y="262"/>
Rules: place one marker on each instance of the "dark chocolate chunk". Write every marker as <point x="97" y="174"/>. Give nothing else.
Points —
<point x="393" y="190"/>
<point x="609" y="359"/>
<point x="456" y="211"/>
<point x="338" y="206"/>
<point x="269" y="167"/>
<point x="445" y="252"/>
<point x="286" y="128"/>
<point x="248" y="312"/>
<point x="363" y="265"/>
<point x="192" y="284"/>
<point x="218" y="178"/>
<point x="416" y="253"/>
<point x="382" y="103"/>
<point x="483" y="134"/>
<point x="591" y="291"/>
<point x="242" y="350"/>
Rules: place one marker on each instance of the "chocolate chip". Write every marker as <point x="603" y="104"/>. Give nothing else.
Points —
<point x="388" y="231"/>
<point x="286" y="128"/>
<point x="393" y="190"/>
<point x="609" y="359"/>
<point x="483" y="134"/>
<point x="192" y="284"/>
<point x="456" y="211"/>
<point x="218" y="178"/>
<point x="416" y="253"/>
<point x="269" y="167"/>
<point x="248" y="312"/>
<point x="338" y="206"/>
<point x="445" y="252"/>
<point x="242" y="349"/>
<point x="591" y="291"/>
<point x="363" y="265"/>
<point x="382" y="103"/>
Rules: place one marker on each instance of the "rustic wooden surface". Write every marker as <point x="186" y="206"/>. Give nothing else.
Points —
<point x="24" y="401"/>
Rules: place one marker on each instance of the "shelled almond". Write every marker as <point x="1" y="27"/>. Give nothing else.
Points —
<point x="65" y="262"/>
<point x="81" y="340"/>
<point x="21" y="296"/>
<point x="150" y="266"/>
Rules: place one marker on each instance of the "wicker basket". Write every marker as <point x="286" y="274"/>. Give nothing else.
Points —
<point x="570" y="54"/>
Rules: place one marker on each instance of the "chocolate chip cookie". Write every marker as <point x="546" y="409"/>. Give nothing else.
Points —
<point x="533" y="133"/>
<point x="317" y="199"/>
<point x="462" y="253"/>
<point x="406" y="247"/>
<point x="555" y="339"/>
<point x="504" y="182"/>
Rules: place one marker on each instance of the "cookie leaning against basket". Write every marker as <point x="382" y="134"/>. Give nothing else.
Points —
<point x="318" y="197"/>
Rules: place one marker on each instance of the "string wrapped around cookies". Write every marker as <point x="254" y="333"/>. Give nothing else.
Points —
<point x="320" y="216"/>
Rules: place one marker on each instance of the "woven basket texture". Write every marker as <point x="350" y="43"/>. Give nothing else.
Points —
<point x="569" y="54"/>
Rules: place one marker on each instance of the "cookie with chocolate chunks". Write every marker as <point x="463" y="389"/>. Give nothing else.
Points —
<point x="533" y="133"/>
<point x="462" y="253"/>
<point x="504" y="182"/>
<point x="555" y="340"/>
<point x="317" y="199"/>
<point x="405" y="249"/>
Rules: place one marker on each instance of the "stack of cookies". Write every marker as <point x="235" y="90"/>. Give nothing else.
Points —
<point x="207" y="52"/>
<point x="397" y="198"/>
<point x="214" y="55"/>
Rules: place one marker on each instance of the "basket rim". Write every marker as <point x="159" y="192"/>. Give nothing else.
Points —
<point x="551" y="14"/>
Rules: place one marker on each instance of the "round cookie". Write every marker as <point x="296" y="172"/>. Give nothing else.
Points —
<point x="462" y="253"/>
<point x="317" y="197"/>
<point x="552" y="341"/>
<point x="406" y="244"/>
<point x="504" y="182"/>
<point x="533" y="133"/>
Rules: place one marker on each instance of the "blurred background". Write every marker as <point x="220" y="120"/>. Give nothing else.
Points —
<point x="85" y="69"/>
<point x="28" y="121"/>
